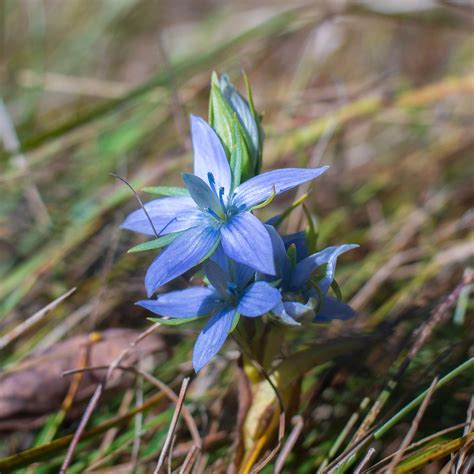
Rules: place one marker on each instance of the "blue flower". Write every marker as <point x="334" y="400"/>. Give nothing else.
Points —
<point x="230" y="294"/>
<point x="217" y="210"/>
<point x="300" y="295"/>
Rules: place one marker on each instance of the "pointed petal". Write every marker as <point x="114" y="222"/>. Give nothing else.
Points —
<point x="331" y="308"/>
<point x="217" y="276"/>
<point x="239" y="273"/>
<point x="209" y="154"/>
<point x="258" y="299"/>
<point x="201" y="193"/>
<point x="194" y="301"/>
<point x="169" y="214"/>
<point x="212" y="337"/>
<point x="189" y="249"/>
<point x="328" y="257"/>
<point x="243" y="274"/>
<point x="258" y="189"/>
<point x="282" y="262"/>
<point x="246" y="240"/>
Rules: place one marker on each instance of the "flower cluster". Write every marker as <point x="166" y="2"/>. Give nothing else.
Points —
<point x="249" y="269"/>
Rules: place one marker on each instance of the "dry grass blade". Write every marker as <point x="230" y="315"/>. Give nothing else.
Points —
<point x="32" y="320"/>
<point x="91" y="406"/>
<point x="365" y="460"/>
<point x="413" y="429"/>
<point x="289" y="445"/>
<point x="169" y="393"/>
<point x="174" y="422"/>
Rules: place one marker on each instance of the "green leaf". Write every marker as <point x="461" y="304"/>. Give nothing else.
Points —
<point x="174" y="321"/>
<point x="166" y="190"/>
<point x="156" y="243"/>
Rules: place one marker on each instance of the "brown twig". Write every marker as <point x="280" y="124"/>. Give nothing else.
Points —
<point x="290" y="443"/>
<point x="413" y="428"/>
<point x="365" y="461"/>
<point x="32" y="320"/>
<point x="169" y="393"/>
<point x="96" y="396"/>
<point x="174" y="421"/>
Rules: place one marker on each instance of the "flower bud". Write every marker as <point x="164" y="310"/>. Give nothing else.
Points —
<point x="238" y="126"/>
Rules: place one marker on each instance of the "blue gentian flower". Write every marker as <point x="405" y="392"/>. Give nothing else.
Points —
<point x="300" y="296"/>
<point x="217" y="210"/>
<point x="232" y="292"/>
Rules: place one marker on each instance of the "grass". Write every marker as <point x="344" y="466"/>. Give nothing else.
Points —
<point x="384" y="98"/>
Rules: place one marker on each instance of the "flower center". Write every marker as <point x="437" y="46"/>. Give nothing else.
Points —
<point x="223" y="214"/>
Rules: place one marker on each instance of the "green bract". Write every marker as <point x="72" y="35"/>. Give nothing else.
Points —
<point x="238" y="126"/>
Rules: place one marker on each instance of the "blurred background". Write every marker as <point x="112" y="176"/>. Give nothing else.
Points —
<point x="381" y="91"/>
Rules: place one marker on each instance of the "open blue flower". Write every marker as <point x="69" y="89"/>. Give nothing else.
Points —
<point x="301" y="295"/>
<point x="230" y="294"/>
<point x="217" y="210"/>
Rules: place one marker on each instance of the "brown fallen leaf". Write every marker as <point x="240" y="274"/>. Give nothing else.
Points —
<point x="37" y="386"/>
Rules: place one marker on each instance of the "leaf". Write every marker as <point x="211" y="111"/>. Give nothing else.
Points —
<point x="166" y="190"/>
<point x="300" y="362"/>
<point x="158" y="243"/>
<point x="428" y="455"/>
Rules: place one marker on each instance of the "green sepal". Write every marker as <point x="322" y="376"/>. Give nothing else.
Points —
<point x="266" y="202"/>
<point x="291" y="252"/>
<point x="311" y="233"/>
<point x="156" y="243"/>
<point x="166" y="190"/>
<point x="289" y="210"/>
<point x="174" y="321"/>
<point x="337" y="290"/>
<point x="235" y="321"/>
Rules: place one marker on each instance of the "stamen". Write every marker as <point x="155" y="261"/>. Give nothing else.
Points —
<point x="214" y="214"/>
<point x="221" y="197"/>
<point x="212" y="182"/>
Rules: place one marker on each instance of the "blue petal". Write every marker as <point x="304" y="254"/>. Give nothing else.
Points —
<point x="297" y="310"/>
<point x="243" y="274"/>
<point x="282" y="262"/>
<point x="217" y="276"/>
<point x="246" y="240"/>
<point x="209" y="154"/>
<point x="309" y="264"/>
<point x="258" y="298"/>
<point x="235" y="272"/>
<point x="189" y="249"/>
<point x="258" y="189"/>
<point x="201" y="193"/>
<point x="194" y="301"/>
<point x="331" y="308"/>
<point x="169" y="214"/>
<point x="283" y="316"/>
<point x="212" y="337"/>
